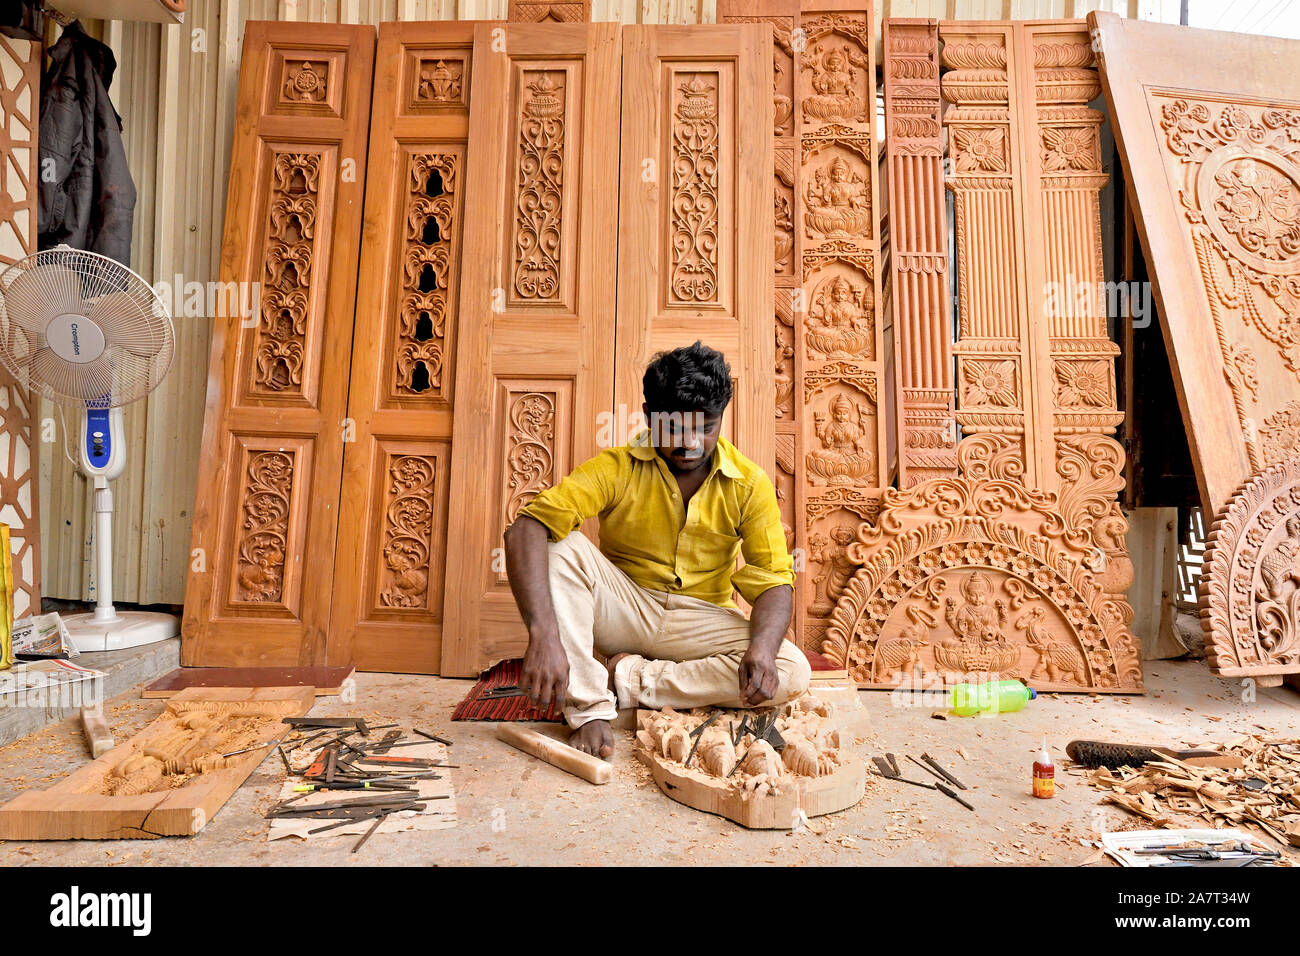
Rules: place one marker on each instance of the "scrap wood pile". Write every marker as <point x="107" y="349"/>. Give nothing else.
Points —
<point x="1255" y="783"/>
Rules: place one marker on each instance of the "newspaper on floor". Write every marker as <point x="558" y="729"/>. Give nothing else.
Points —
<point x="51" y="683"/>
<point x="1125" y="846"/>
<point x="438" y="797"/>
<point x="43" y="635"/>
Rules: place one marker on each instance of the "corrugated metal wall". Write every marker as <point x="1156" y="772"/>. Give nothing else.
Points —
<point x="175" y="88"/>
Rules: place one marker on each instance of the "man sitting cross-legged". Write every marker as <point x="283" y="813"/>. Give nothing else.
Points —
<point x="677" y="506"/>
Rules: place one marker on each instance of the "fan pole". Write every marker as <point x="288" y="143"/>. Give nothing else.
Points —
<point x="104" y="611"/>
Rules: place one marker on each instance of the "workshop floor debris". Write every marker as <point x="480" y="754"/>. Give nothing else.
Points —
<point x="514" y="809"/>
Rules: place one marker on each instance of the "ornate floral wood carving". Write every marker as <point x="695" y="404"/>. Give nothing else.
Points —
<point x="439" y="81"/>
<point x="432" y="224"/>
<point x="1250" y="580"/>
<point x="408" y="531"/>
<point x="693" y="245"/>
<point x="20" y="62"/>
<point x="1212" y="160"/>
<point x="305" y="81"/>
<point x="962" y="579"/>
<point x="281" y="347"/>
<point x="262" y="542"/>
<point x="530" y="449"/>
<point x="927" y="429"/>
<point x="539" y="202"/>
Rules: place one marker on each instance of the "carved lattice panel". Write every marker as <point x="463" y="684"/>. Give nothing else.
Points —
<point x="397" y="463"/>
<point x="535" y="379"/>
<point x="20" y="65"/>
<point x="695" y="232"/>
<point x="923" y="333"/>
<point x="1212" y="157"/>
<point x="271" y="464"/>
<point x="542" y="11"/>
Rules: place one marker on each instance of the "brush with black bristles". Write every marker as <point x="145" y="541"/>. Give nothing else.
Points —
<point x="1098" y="753"/>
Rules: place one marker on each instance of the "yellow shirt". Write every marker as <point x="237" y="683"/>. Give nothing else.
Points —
<point x="647" y="534"/>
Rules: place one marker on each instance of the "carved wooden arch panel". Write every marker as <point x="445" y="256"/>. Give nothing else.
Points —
<point x="541" y="11"/>
<point x="1250" y="579"/>
<point x="969" y="579"/>
<point x="260" y="585"/>
<point x="1212" y="158"/>
<point x="392" y="539"/>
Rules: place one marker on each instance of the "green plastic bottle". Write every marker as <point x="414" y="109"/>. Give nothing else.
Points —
<point x="991" y="697"/>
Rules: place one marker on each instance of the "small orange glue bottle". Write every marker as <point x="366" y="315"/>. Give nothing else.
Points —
<point x="1044" y="774"/>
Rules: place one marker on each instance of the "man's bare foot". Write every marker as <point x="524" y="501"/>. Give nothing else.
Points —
<point x="593" y="737"/>
<point x="610" y="665"/>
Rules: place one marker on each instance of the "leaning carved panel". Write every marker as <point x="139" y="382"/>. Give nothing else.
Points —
<point x="537" y="262"/>
<point x="927" y="432"/>
<point x="409" y="527"/>
<point x="1250" y="580"/>
<point x="262" y="537"/>
<point x="695" y="225"/>
<point x="962" y="579"/>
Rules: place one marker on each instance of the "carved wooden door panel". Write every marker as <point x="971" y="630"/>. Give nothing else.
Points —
<point x="695" y="223"/>
<point x="1208" y="125"/>
<point x="261" y="578"/>
<point x="535" y="379"/>
<point x="397" y="459"/>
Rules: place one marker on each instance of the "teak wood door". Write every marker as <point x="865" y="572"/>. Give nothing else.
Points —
<point x="397" y="462"/>
<point x="535" y="376"/>
<point x="262" y="572"/>
<point x="695" y="245"/>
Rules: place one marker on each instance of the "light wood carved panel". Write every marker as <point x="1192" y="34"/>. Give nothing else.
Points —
<point x="1208" y="126"/>
<point x="540" y="11"/>
<point x="1250" y="580"/>
<point x="534" y="380"/>
<point x="169" y="779"/>
<point x="392" y="538"/>
<point x="261" y="576"/>
<point x="830" y="422"/>
<point x="695" y="231"/>
<point x="923" y="333"/>
<point x="20" y="74"/>
<point x="970" y="579"/>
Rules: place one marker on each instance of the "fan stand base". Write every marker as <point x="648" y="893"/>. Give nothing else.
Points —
<point x="131" y="629"/>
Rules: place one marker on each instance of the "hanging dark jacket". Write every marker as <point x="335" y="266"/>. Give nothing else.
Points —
<point x="86" y="197"/>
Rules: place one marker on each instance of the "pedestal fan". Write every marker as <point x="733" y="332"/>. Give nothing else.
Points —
<point x="86" y="331"/>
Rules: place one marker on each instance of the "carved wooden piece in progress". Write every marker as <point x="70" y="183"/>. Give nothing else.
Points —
<point x="1212" y="160"/>
<point x="273" y="438"/>
<point x="1250" y="579"/>
<point x="396" y="470"/>
<point x="167" y="780"/>
<point x="831" y="453"/>
<point x="813" y="773"/>
<point x="923" y="334"/>
<point x="20" y="82"/>
<point x="534" y="370"/>
<point x="975" y="579"/>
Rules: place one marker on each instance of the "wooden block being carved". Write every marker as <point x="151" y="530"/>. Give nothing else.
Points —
<point x="811" y="776"/>
<point x="1205" y="124"/>
<point x="923" y="333"/>
<point x="1250" y="580"/>
<point x="170" y="779"/>
<point x="970" y="580"/>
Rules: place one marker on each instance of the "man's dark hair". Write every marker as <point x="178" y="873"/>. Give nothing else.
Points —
<point x="693" y="378"/>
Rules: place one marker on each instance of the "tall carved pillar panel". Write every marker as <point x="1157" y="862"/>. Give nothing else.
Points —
<point x="397" y="462"/>
<point x="534" y="371"/>
<point x="923" y="333"/>
<point x="20" y="86"/>
<point x="261" y="579"/>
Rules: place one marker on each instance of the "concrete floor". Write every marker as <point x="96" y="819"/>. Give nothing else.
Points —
<point x="516" y="810"/>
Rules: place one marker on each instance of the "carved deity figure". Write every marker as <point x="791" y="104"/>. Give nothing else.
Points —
<point x="845" y="455"/>
<point x="194" y="744"/>
<point x="978" y="644"/>
<point x="836" y="568"/>
<point x="835" y="84"/>
<point x="1059" y="661"/>
<point x="839" y="321"/>
<point x="838" y="201"/>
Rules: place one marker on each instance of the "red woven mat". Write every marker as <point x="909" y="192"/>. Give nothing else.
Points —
<point x="504" y="674"/>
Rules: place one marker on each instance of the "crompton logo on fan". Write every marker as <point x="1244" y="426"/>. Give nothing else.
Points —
<point x="76" y="343"/>
<point x="77" y="909"/>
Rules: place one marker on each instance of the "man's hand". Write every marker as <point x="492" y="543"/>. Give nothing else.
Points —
<point x="758" y="677"/>
<point x="546" y="671"/>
